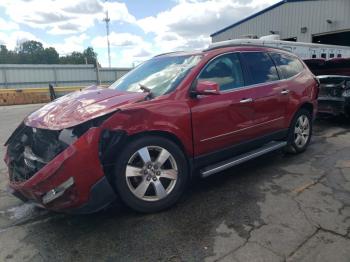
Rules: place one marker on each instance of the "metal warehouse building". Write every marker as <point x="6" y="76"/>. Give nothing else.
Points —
<point x="311" y="21"/>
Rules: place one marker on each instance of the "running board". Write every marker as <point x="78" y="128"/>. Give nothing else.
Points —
<point x="272" y="146"/>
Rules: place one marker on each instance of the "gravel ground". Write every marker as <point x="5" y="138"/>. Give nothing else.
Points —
<point x="275" y="208"/>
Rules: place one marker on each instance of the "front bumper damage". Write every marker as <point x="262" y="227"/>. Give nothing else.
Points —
<point x="71" y="180"/>
<point x="334" y="96"/>
<point x="334" y="106"/>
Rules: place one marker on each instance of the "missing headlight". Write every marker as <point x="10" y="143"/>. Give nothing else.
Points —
<point x="67" y="136"/>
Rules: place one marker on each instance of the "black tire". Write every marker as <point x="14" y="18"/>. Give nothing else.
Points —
<point x="292" y="147"/>
<point x="123" y="187"/>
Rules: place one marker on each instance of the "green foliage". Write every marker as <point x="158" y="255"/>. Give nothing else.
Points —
<point x="51" y="56"/>
<point x="33" y="52"/>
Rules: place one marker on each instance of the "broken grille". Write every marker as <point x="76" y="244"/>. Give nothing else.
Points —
<point x="30" y="150"/>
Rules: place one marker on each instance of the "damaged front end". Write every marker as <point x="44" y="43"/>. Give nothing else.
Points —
<point x="334" y="96"/>
<point x="30" y="149"/>
<point x="59" y="169"/>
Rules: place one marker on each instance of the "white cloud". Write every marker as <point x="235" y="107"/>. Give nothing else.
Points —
<point x="119" y="12"/>
<point x="64" y="16"/>
<point x="134" y="56"/>
<point x="126" y="49"/>
<point x="189" y="23"/>
<point x="186" y="26"/>
<point x="7" y="25"/>
<point x="67" y="46"/>
<point x="70" y="44"/>
<point x="117" y="40"/>
<point x="11" y="40"/>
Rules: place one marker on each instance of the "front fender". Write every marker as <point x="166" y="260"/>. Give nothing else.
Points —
<point x="168" y="116"/>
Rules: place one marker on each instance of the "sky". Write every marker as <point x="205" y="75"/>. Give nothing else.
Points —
<point x="139" y="29"/>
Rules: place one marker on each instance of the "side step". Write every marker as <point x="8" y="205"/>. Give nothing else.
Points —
<point x="272" y="146"/>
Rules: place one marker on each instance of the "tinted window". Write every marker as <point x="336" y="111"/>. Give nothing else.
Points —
<point x="287" y="66"/>
<point x="225" y="70"/>
<point x="323" y="55"/>
<point x="261" y="67"/>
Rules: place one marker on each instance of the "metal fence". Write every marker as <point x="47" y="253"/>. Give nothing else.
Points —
<point x="28" y="76"/>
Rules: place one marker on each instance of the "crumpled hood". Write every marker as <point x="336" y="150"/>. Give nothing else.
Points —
<point x="80" y="106"/>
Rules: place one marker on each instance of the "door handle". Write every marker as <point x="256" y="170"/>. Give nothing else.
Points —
<point x="285" y="92"/>
<point x="246" y="100"/>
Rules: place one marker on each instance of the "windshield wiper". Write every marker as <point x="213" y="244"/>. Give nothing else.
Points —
<point x="146" y="90"/>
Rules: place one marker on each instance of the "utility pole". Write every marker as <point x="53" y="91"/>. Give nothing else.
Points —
<point x="107" y="20"/>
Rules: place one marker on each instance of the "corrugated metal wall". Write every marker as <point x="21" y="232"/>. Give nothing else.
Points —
<point x="289" y="18"/>
<point x="26" y="76"/>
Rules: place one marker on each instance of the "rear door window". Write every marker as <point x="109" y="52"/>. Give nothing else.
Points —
<point x="287" y="66"/>
<point x="260" y="67"/>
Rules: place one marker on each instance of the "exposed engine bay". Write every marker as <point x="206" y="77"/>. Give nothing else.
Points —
<point x="30" y="149"/>
<point x="334" y="97"/>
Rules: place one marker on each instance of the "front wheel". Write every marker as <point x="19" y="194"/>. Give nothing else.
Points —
<point x="151" y="174"/>
<point x="300" y="132"/>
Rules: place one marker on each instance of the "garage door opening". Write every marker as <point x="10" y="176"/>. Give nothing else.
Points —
<point x="342" y="38"/>
<point x="291" y="39"/>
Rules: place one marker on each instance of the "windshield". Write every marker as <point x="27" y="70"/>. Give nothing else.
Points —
<point x="158" y="75"/>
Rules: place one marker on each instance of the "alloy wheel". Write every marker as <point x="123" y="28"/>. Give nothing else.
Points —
<point x="302" y="131"/>
<point x="151" y="173"/>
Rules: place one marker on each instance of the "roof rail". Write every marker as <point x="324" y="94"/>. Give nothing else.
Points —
<point x="234" y="45"/>
<point x="168" y="53"/>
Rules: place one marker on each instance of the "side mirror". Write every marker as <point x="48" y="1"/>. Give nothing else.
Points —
<point x="207" y="88"/>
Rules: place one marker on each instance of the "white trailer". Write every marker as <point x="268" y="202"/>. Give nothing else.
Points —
<point x="303" y="50"/>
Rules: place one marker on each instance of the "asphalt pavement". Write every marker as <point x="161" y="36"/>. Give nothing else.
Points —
<point x="275" y="208"/>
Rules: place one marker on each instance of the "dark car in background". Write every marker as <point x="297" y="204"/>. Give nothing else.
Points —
<point x="334" y="77"/>
<point x="334" y="96"/>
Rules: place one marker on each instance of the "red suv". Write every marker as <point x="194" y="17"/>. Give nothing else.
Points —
<point x="174" y="116"/>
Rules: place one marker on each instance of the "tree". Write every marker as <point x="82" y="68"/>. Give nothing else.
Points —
<point x="7" y="57"/>
<point x="90" y="55"/>
<point x="73" y="58"/>
<point x="51" y="56"/>
<point x="33" y="52"/>
<point x="30" y="47"/>
<point x="87" y="57"/>
<point x="3" y="54"/>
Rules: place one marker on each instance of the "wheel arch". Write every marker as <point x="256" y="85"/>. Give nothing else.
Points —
<point x="122" y="139"/>
<point x="307" y="106"/>
<point x="163" y="134"/>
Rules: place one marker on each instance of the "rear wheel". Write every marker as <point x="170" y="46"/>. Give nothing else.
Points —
<point x="300" y="132"/>
<point x="151" y="174"/>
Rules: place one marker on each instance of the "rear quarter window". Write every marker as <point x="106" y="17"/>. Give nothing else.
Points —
<point x="260" y="67"/>
<point x="287" y="66"/>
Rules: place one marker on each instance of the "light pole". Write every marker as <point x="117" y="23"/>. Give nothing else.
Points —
<point x="107" y="20"/>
